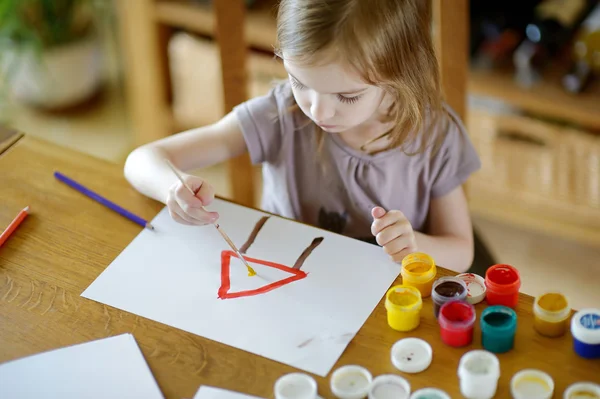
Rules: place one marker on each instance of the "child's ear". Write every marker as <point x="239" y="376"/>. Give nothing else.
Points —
<point x="377" y="212"/>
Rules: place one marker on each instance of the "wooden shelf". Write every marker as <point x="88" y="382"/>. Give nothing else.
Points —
<point x="547" y="98"/>
<point x="573" y="222"/>
<point x="260" y="28"/>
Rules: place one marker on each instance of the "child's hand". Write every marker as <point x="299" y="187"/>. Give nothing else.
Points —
<point x="186" y="208"/>
<point x="393" y="232"/>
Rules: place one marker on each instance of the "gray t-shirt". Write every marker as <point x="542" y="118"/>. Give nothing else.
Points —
<point x="337" y="188"/>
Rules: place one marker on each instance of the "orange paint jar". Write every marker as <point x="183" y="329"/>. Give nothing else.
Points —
<point x="419" y="271"/>
<point x="551" y="314"/>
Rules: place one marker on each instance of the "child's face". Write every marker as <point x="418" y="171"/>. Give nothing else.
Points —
<point x="334" y="97"/>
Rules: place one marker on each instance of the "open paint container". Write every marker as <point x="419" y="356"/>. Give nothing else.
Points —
<point x="551" y="312"/>
<point x="419" y="271"/>
<point x="502" y="283"/>
<point x="456" y="321"/>
<point x="403" y="304"/>
<point x="351" y="382"/>
<point x="582" y="390"/>
<point x="529" y="383"/>
<point x="478" y="372"/>
<point x="389" y="386"/>
<point x="296" y="386"/>
<point x="447" y="289"/>
<point x="411" y="355"/>
<point x="498" y="328"/>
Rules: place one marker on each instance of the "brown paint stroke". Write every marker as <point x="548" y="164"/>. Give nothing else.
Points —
<point x="315" y="243"/>
<point x="259" y="225"/>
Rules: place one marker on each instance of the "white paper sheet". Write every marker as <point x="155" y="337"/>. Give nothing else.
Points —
<point x="206" y="392"/>
<point x="173" y="275"/>
<point x="107" y="368"/>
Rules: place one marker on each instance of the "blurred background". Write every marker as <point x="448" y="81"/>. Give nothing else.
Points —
<point x="103" y="76"/>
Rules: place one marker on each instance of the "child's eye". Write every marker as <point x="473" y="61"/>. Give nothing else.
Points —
<point x="348" y="100"/>
<point x="297" y="85"/>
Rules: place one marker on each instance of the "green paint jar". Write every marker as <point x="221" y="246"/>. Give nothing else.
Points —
<point x="498" y="328"/>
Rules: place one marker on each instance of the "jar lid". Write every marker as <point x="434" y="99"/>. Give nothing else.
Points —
<point x="430" y="393"/>
<point x="476" y="288"/>
<point x="580" y="390"/>
<point x="530" y="383"/>
<point x="585" y="326"/>
<point x="388" y="386"/>
<point x="296" y="386"/>
<point x="411" y="355"/>
<point x="351" y="382"/>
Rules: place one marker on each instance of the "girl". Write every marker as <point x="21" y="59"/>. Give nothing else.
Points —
<point x="358" y="141"/>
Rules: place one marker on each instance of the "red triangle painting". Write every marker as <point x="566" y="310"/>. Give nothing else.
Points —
<point x="294" y="271"/>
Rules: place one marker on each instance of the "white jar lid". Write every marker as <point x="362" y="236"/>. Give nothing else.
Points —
<point x="584" y="388"/>
<point x="351" y="382"/>
<point x="476" y="288"/>
<point x="430" y="393"/>
<point x="295" y="386"/>
<point x="411" y="355"/>
<point x="530" y="383"/>
<point x="389" y="386"/>
<point x="585" y="326"/>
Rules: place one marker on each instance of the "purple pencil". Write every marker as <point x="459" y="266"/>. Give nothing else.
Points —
<point x="109" y="204"/>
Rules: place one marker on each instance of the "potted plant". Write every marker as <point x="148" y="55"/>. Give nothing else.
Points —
<point x="49" y="52"/>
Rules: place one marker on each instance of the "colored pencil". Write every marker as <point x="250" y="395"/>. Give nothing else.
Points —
<point x="13" y="225"/>
<point x="97" y="197"/>
<point x="251" y="271"/>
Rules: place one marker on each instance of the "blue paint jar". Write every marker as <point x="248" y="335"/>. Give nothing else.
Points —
<point x="585" y="328"/>
<point x="498" y="328"/>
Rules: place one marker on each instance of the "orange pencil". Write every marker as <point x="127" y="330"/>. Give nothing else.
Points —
<point x="13" y="225"/>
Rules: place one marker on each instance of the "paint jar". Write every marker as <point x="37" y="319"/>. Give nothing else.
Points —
<point x="585" y="328"/>
<point x="498" y="328"/>
<point x="430" y="393"/>
<point x="389" y="386"/>
<point x="419" y="271"/>
<point x="403" y="304"/>
<point x="582" y="390"/>
<point x="351" y="382"/>
<point x="529" y="383"/>
<point x="475" y="287"/>
<point x="478" y="372"/>
<point x="447" y="289"/>
<point x="551" y="313"/>
<point x="456" y="323"/>
<point x="295" y="386"/>
<point x="502" y="285"/>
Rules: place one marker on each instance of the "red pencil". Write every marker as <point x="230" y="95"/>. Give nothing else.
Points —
<point x="13" y="225"/>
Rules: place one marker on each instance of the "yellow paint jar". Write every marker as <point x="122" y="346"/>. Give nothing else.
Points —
<point x="419" y="271"/>
<point x="551" y="314"/>
<point x="403" y="304"/>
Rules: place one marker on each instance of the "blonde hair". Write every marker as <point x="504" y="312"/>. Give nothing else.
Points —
<point x="388" y="42"/>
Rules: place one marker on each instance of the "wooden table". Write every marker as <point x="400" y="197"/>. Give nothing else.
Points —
<point x="68" y="240"/>
<point x="8" y="137"/>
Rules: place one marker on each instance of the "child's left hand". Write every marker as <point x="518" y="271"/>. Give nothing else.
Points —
<point x="393" y="232"/>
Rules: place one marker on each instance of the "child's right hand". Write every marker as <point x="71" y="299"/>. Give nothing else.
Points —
<point x="188" y="209"/>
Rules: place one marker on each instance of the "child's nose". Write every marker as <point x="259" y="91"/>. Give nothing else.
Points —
<point x="321" y="109"/>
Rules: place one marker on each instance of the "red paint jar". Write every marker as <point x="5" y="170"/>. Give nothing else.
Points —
<point x="456" y="321"/>
<point x="502" y="283"/>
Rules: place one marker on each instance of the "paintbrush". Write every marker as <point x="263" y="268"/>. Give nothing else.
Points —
<point x="251" y="271"/>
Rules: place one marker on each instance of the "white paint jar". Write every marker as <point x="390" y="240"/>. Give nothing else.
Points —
<point x="478" y="372"/>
